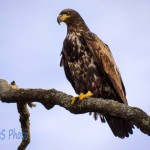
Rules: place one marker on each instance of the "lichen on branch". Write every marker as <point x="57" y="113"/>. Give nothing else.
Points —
<point x="50" y="98"/>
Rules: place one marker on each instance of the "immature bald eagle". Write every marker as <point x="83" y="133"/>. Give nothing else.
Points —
<point x="90" y="68"/>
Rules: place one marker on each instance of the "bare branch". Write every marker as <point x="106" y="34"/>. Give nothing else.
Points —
<point x="52" y="97"/>
<point x="25" y="125"/>
<point x="22" y="110"/>
<point x="24" y="120"/>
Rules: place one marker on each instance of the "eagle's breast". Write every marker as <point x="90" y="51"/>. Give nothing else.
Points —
<point x="81" y="63"/>
<point x="78" y="54"/>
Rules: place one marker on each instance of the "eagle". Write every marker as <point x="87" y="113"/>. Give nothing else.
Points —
<point x="91" y="69"/>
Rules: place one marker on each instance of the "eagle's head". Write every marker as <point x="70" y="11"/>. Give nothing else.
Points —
<point x="68" y="16"/>
<point x="72" y="18"/>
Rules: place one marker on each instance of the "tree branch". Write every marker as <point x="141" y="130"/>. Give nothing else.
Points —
<point x="25" y="124"/>
<point x="52" y="97"/>
<point x="24" y="118"/>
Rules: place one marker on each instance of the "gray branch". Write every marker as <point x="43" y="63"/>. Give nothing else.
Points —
<point x="50" y="98"/>
<point x="25" y="125"/>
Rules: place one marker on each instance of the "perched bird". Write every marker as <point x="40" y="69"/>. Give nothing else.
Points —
<point x="14" y="85"/>
<point x="90" y="68"/>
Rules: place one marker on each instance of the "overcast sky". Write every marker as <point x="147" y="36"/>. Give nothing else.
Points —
<point x="30" y="46"/>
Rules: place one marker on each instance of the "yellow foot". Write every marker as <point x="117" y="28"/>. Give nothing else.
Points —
<point x="81" y="97"/>
<point x="88" y="94"/>
<point x="73" y="99"/>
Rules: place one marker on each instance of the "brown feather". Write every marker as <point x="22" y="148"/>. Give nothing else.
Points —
<point x="105" y="60"/>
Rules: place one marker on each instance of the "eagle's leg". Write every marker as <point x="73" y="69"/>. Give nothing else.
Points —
<point x="81" y="97"/>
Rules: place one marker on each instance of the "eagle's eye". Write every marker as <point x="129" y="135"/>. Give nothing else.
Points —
<point x="67" y="13"/>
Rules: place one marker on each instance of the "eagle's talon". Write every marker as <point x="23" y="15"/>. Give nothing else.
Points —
<point x="83" y="96"/>
<point x="73" y="99"/>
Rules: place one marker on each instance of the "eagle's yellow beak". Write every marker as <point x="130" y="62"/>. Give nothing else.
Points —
<point x="62" y="18"/>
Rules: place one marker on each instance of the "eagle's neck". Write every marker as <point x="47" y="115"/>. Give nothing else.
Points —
<point x="77" y="26"/>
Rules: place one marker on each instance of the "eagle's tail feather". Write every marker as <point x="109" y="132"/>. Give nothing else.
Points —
<point x="119" y="127"/>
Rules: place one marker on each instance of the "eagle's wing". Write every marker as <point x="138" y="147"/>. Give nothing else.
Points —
<point x="63" y="62"/>
<point x="104" y="60"/>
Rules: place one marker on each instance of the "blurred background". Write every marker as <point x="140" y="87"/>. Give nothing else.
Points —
<point x="30" y="46"/>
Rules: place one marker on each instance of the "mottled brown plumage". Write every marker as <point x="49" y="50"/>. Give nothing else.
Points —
<point x="89" y="66"/>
